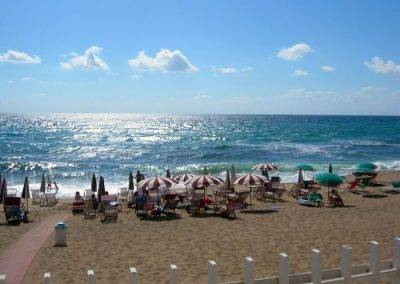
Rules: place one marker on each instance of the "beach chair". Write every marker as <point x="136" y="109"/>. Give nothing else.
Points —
<point x="196" y="201"/>
<point x="12" y="210"/>
<point x="89" y="212"/>
<point x="36" y="197"/>
<point x="141" y="205"/>
<point x="87" y="194"/>
<point x="109" y="207"/>
<point x="334" y="199"/>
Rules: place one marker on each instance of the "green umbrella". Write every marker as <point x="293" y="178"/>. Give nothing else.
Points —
<point x="329" y="179"/>
<point x="364" y="172"/>
<point x="305" y="167"/>
<point x="396" y="184"/>
<point x="370" y="166"/>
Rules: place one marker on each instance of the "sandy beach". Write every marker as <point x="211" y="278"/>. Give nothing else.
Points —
<point x="189" y="242"/>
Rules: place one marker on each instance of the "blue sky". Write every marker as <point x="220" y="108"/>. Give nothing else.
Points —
<point x="291" y="57"/>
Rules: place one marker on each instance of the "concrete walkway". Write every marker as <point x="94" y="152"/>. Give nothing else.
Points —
<point x="16" y="259"/>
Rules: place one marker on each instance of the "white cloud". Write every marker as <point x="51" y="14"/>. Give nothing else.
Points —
<point x="201" y="96"/>
<point x="165" y="61"/>
<point x="88" y="60"/>
<point x="27" y="78"/>
<point x="294" y="52"/>
<point x="309" y="93"/>
<point x="299" y="72"/>
<point x="247" y="69"/>
<point x="224" y="70"/>
<point x="327" y="68"/>
<point x="136" y="76"/>
<point x="380" y="66"/>
<point x="13" y="56"/>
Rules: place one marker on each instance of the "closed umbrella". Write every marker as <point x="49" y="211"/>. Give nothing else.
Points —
<point x="205" y="171"/>
<point x="25" y="192"/>
<point x="228" y="180"/>
<point x="101" y="190"/>
<point x="3" y="193"/>
<point x="168" y="175"/>
<point x="233" y="173"/>
<point x="330" y="168"/>
<point x="43" y="184"/>
<point x="93" y="185"/>
<point x="329" y="179"/>
<point x="130" y="181"/>
<point x="300" y="180"/>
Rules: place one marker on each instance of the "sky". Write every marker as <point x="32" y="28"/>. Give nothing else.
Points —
<point x="262" y="57"/>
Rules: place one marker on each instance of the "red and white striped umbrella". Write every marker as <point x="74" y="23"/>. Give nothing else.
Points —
<point x="156" y="182"/>
<point x="203" y="181"/>
<point x="265" y="167"/>
<point x="251" y="179"/>
<point x="183" y="178"/>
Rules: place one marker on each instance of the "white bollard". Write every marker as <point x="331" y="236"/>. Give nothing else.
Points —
<point x="212" y="272"/>
<point x="2" y="279"/>
<point x="133" y="273"/>
<point x="90" y="276"/>
<point x="346" y="264"/>
<point x="173" y="274"/>
<point x="396" y="261"/>
<point x="46" y="278"/>
<point x="316" y="266"/>
<point x="248" y="270"/>
<point x="283" y="268"/>
<point x="374" y="262"/>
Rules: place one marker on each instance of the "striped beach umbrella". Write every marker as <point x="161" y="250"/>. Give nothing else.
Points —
<point x="203" y="181"/>
<point x="156" y="182"/>
<point x="251" y="179"/>
<point x="183" y="178"/>
<point x="265" y="167"/>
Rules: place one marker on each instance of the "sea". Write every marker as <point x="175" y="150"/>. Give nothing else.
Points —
<point x="70" y="147"/>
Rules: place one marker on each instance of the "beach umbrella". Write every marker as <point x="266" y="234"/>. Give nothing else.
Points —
<point x="265" y="167"/>
<point x="300" y="179"/>
<point x="93" y="185"/>
<point x="228" y="180"/>
<point x="203" y="181"/>
<point x="102" y="189"/>
<point x="3" y="193"/>
<point x="251" y="179"/>
<point x="184" y="177"/>
<point x="329" y="179"/>
<point x="25" y="192"/>
<point x="156" y="182"/>
<point x="368" y="165"/>
<point x="305" y="167"/>
<point x="130" y="181"/>
<point x="396" y="184"/>
<point x="168" y="175"/>
<point x="233" y="173"/>
<point x="364" y="172"/>
<point x="42" y="184"/>
<point x="330" y="168"/>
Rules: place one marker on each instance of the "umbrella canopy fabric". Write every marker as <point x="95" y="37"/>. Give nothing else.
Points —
<point x="168" y="175"/>
<point x="364" y="172"/>
<point x="233" y="173"/>
<point x="305" y="167"/>
<point x="42" y="184"/>
<point x="203" y="181"/>
<point x="183" y="178"/>
<point x="156" y="182"/>
<point x="25" y="190"/>
<point x="102" y="189"/>
<point x="93" y="185"/>
<point x="3" y="192"/>
<point x="368" y="165"/>
<point x="251" y="179"/>
<point x="130" y="181"/>
<point x="330" y="168"/>
<point x="228" y="180"/>
<point x="329" y="179"/>
<point x="265" y="167"/>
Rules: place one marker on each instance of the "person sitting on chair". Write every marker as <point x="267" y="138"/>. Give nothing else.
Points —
<point x="78" y="196"/>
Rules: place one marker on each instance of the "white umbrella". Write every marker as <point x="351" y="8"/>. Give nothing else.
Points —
<point x="251" y="179"/>
<point x="183" y="177"/>
<point x="265" y="167"/>
<point x="155" y="182"/>
<point x="203" y="181"/>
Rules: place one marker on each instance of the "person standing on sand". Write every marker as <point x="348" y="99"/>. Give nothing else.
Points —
<point x="48" y="182"/>
<point x="138" y="176"/>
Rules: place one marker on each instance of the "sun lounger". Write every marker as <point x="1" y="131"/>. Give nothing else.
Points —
<point x="196" y="200"/>
<point x="109" y="207"/>
<point x="141" y="205"/>
<point x="12" y="210"/>
<point x="90" y="211"/>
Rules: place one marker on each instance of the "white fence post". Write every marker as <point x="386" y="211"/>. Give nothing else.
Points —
<point x="90" y="276"/>
<point x="173" y="274"/>
<point x="212" y="272"/>
<point x="374" y="262"/>
<point x="346" y="264"/>
<point x="133" y="273"/>
<point x="283" y="268"/>
<point x="2" y="279"/>
<point x="46" y="278"/>
<point x="396" y="261"/>
<point x="316" y="266"/>
<point x="248" y="270"/>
